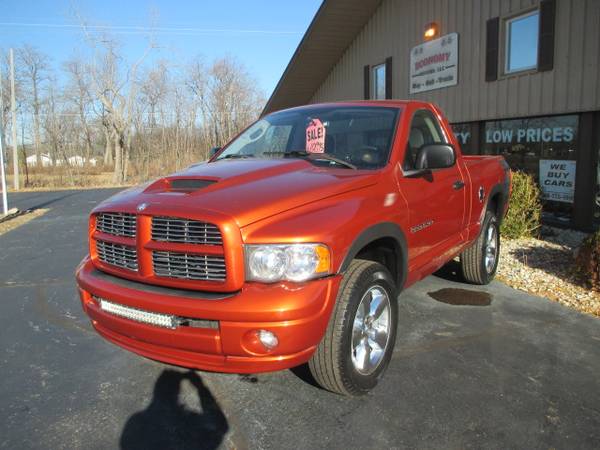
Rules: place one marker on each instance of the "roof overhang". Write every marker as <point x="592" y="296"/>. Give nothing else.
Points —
<point x="332" y="30"/>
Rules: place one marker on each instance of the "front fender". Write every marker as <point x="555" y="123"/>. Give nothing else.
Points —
<point x="379" y="231"/>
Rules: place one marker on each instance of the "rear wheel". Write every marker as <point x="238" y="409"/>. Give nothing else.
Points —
<point x="480" y="261"/>
<point x="360" y="337"/>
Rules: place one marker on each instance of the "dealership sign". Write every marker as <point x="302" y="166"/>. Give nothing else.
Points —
<point x="434" y="64"/>
<point x="557" y="180"/>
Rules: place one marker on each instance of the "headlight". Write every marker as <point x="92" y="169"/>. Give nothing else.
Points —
<point x="294" y="262"/>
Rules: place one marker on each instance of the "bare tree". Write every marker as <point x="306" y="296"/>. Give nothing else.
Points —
<point x="152" y="105"/>
<point x="33" y="67"/>
<point x="78" y="91"/>
<point x="232" y="100"/>
<point x="108" y="133"/>
<point x="117" y="92"/>
<point x="142" y="120"/>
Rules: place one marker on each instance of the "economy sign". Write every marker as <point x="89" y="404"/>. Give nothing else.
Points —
<point x="434" y="64"/>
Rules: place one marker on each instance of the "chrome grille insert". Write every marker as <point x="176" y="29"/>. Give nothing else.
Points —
<point x="117" y="224"/>
<point x="174" y="229"/>
<point x="189" y="266"/>
<point x="123" y="256"/>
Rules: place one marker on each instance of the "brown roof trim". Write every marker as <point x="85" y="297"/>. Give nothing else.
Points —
<point x="332" y="30"/>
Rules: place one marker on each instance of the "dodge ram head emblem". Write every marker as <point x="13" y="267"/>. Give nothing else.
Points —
<point x="142" y="206"/>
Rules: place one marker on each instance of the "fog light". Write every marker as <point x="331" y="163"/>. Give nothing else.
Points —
<point x="268" y="339"/>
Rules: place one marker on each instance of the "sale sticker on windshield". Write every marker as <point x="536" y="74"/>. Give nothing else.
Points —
<point x="315" y="137"/>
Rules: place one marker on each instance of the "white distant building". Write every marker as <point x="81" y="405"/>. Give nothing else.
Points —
<point x="32" y="160"/>
<point x="76" y="160"/>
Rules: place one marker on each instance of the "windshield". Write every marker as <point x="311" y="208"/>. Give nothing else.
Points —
<point x="345" y="136"/>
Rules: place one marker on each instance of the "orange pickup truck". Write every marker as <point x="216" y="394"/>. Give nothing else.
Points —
<point x="293" y="242"/>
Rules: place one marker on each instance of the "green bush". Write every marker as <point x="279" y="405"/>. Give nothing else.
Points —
<point x="525" y="208"/>
<point x="588" y="261"/>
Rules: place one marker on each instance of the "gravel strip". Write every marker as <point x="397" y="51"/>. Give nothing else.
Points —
<point x="544" y="267"/>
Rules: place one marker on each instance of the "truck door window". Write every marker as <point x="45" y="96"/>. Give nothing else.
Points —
<point x="424" y="129"/>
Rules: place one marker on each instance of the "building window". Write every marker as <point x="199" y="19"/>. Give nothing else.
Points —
<point x="545" y="147"/>
<point x="464" y="135"/>
<point x="378" y="85"/>
<point x="522" y="34"/>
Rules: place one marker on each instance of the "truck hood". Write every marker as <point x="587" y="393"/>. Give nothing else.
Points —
<point x="247" y="190"/>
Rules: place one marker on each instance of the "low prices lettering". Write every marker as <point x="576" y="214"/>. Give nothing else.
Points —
<point x="520" y="135"/>
<point x="315" y="137"/>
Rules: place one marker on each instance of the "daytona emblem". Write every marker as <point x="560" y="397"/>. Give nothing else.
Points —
<point x="421" y="226"/>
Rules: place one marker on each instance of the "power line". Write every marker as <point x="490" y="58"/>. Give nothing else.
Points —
<point x="132" y="29"/>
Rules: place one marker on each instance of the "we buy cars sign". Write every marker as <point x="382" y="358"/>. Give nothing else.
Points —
<point x="434" y="64"/>
<point x="557" y="180"/>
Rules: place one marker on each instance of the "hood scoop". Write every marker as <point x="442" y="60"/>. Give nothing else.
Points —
<point x="184" y="185"/>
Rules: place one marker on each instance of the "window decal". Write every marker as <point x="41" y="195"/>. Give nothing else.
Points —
<point x="315" y="137"/>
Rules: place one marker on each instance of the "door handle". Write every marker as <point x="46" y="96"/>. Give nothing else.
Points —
<point x="458" y="185"/>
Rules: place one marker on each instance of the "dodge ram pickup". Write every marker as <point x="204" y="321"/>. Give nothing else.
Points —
<point x="292" y="243"/>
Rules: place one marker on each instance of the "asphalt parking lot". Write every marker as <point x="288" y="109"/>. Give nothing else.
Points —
<point x="521" y="372"/>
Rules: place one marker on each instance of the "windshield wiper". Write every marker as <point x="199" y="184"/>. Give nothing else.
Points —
<point x="304" y="154"/>
<point x="235" y="156"/>
<point x="294" y="153"/>
<point x="334" y="159"/>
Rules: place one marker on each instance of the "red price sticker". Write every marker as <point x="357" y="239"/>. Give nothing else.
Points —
<point x="315" y="137"/>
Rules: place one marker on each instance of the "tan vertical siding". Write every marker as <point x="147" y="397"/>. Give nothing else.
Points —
<point x="397" y="26"/>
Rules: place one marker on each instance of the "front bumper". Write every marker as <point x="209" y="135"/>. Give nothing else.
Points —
<point x="297" y="313"/>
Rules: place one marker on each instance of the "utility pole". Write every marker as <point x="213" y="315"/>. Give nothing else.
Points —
<point x="2" y="172"/>
<point x="13" y="108"/>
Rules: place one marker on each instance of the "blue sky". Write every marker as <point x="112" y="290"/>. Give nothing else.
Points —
<point x="262" y="34"/>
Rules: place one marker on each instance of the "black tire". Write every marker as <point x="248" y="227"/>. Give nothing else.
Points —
<point x="332" y="364"/>
<point x="473" y="260"/>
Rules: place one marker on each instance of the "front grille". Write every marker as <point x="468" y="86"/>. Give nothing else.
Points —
<point x="173" y="229"/>
<point x="118" y="255"/>
<point x="117" y="224"/>
<point x="189" y="266"/>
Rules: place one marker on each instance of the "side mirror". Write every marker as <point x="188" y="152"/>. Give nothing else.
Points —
<point x="435" y="156"/>
<point x="213" y="151"/>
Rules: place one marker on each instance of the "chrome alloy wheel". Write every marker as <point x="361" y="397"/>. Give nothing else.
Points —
<point x="490" y="248"/>
<point x="371" y="330"/>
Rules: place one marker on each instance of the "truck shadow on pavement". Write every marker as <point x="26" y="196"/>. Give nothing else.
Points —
<point x="52" y="200"/>
<point x="167" y="423"/>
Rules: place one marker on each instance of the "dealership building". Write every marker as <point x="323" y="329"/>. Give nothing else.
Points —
<point x="518" y="78"/>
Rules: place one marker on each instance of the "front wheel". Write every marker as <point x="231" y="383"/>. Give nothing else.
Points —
<point x="360" y="337"/>
<point x="480" y="261"/>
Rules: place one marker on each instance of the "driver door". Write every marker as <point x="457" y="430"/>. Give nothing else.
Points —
<point x="436" y="201"/>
